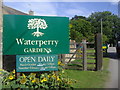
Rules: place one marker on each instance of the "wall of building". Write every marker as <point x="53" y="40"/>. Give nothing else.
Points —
<point x="7" y="60"/>
<point x="1" y="33"/>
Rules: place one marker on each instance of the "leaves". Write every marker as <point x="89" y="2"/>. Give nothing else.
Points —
<point x="85" y="28"/>
<point x="110" y="23"/>
<point x="80" y="29"/>
<point x="48" y="80"/>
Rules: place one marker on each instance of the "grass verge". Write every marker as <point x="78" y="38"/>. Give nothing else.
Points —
<point x="89" y="79"/>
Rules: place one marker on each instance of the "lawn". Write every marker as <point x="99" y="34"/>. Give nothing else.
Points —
<point x="89" y="79"/>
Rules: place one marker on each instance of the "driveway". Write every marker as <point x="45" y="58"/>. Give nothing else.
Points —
<point x="113" y="69"/>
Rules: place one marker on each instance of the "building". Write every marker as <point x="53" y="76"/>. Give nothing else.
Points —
<point x="7" y="10"/>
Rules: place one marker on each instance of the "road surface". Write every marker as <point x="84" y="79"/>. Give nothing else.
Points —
<point x="113" y="69"/>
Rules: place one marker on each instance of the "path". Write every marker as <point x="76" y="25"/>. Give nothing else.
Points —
<point x="113" y="69"/>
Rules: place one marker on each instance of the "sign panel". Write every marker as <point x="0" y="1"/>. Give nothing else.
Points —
<point x="24" y="34"/>
<point x="34" y="63"/>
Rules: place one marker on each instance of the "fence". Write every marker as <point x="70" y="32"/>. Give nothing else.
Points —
<point x="83" y="57"/>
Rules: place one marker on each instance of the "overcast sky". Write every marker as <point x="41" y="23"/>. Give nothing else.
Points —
<point x="64" y="8"/>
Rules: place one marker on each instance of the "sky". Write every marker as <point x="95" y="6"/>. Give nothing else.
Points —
<point x="64" y="8"/>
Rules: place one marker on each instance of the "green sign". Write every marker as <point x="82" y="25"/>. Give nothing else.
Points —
<point x="34" y="63"/>
<point x="24" y="34"/>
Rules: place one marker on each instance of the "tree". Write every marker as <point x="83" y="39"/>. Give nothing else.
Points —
<point x="75" y="35"/>
<point x="104" y="38"/>
<point x="81" y="29"/>
<point x="36" y="24"/>
<point x="78" y="17"/>
<point x="111" y="24"/>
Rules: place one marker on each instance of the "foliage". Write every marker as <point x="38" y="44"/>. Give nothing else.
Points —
<point x="110" y="23"/>
<point x="85" y="28"/>
<point x="80" y="29"/>
<point x="46" y="80"/>
<point x="104" y="38"/>
<point x="3" y="73"/>
<point x="75" y="35"/>
<point x="78" y="17"/>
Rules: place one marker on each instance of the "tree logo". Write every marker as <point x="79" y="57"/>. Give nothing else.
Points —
<point x="37" y="23"/>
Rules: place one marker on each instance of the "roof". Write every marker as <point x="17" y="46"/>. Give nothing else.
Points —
<point x="9" y="10"/>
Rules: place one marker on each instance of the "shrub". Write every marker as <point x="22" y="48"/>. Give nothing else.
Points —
<point x="46" y="80"/>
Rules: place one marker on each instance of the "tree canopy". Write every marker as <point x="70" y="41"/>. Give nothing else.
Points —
<point x="80" y="29"/>
<point x="110" y="23"/>
<point x="88" y="27"/>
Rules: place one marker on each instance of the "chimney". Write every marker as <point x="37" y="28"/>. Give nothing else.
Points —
<point x="31" y="12"/>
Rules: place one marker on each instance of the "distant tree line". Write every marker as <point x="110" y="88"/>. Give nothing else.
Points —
<point x="86" y="27"/>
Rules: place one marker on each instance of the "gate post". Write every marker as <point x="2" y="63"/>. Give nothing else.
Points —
<point x="84" y="55"/>
<point x="98" y="51"/>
